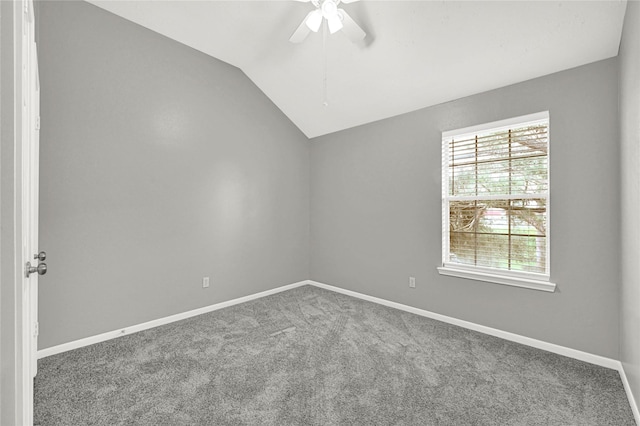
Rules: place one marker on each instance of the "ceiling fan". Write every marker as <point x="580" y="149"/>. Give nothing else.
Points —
<point x="337" y="19"/>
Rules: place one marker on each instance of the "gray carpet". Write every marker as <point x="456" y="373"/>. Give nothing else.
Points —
<point x="309" y="356"/>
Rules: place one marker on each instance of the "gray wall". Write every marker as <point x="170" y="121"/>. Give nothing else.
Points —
<point x="159" y="166"/>
<point x="376" y="211"/>
<point x="630" y="142"/>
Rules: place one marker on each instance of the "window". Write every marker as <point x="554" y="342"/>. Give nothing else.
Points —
<point x="495" y="202"/>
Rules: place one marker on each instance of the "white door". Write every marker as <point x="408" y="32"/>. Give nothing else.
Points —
<point x="31" y="211"/>
<point x="34" y="265"/>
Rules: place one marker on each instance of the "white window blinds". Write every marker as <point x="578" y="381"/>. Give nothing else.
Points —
<point x="495" y="196"/>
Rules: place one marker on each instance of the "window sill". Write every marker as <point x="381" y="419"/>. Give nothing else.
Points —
<point x="533" y="284"/>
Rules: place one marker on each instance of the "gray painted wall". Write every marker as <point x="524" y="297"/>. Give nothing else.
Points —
<point x="630" y="142"/>
<point x="376" y="211"/>
<point x="159" y="166"/>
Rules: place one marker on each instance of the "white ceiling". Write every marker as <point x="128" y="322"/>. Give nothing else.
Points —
<point x="416" y="53"/>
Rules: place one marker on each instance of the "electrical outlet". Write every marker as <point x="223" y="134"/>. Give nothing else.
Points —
<point x="412" y="282"/>
<point x="205" y="282"/>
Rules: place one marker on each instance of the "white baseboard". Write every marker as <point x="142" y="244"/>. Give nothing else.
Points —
<point x="627" y="388"/>
<point x="158" y="322"/>
<point x="550" y="347"/>
<point x="561" y="350"/>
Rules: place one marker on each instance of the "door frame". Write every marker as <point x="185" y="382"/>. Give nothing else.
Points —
<point x="17" y="348"/>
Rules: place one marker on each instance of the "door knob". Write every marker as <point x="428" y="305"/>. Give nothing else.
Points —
<point x="41" y="269"/>
<point x="40" y="256"/>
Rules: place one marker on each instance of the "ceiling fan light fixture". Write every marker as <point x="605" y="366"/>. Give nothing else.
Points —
<point x="337" y="20"/>
<point x="314" y="20"/>
<point x="329" y="9"/>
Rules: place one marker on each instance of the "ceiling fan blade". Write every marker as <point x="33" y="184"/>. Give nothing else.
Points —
<point x="334" y="23"/>
<point x="314" y="20"/>
<point x="301" y="32"/>
<point x="350" y="28"/>
<point x="346" y="1"/>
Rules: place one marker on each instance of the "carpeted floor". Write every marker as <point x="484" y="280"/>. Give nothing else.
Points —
<point x="309" y="356"/>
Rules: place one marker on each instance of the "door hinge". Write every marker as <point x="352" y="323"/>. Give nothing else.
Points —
<point x="38" y="123"/>
<point x="36" y="329"/>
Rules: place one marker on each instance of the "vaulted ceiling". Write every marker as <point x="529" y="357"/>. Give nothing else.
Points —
<point x="416" y="53"/>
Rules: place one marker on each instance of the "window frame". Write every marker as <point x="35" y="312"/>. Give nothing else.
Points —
<point x="530" y="280"/>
